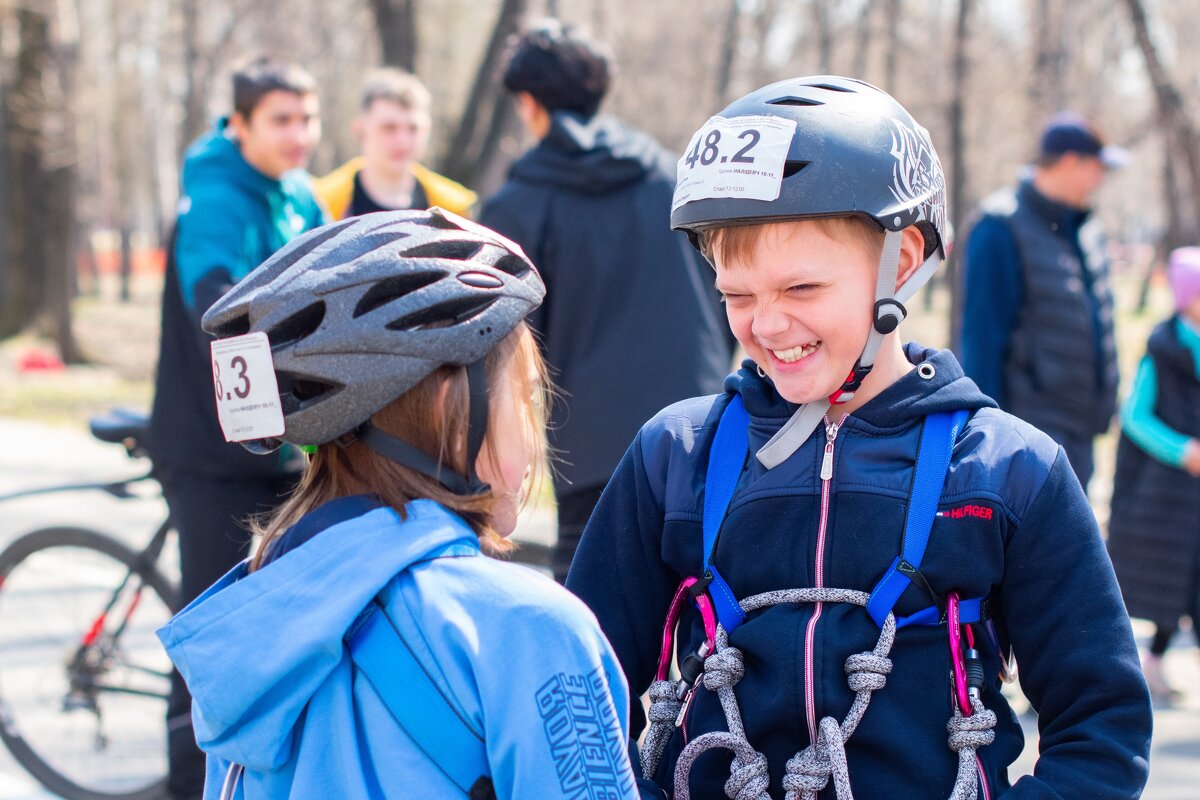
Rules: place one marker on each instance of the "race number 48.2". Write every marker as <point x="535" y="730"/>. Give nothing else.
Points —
<point x="741" y="157"/>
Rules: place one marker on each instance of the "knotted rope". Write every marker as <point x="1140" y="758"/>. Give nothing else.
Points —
<point x="809" y="771"/>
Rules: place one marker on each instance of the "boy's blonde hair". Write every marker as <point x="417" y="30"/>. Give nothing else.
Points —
<point x="434" y="420"/>
<point x="397" y="86"/>
<point x="734" y="244"/>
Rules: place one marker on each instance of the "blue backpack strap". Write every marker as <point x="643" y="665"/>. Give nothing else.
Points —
<point x="725" y="462"/>
<point x="382" y="654"/>
<point x="933" y="460"/>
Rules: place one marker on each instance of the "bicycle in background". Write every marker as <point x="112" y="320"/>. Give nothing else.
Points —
<point x="84" y="680"/>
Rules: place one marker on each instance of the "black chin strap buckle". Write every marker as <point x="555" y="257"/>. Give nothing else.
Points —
<point x="888" y="315"/>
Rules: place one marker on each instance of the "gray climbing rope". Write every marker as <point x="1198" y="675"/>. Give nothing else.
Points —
<point x="809" y="771"/>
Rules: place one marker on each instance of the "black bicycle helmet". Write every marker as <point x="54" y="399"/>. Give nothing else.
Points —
<point x="855" y="151"/>
<point x="360" y="311"/>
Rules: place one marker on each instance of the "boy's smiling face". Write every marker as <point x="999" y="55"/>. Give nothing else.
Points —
<point x="801" y="304"/>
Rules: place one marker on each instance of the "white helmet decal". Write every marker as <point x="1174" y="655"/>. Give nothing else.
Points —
<point x="917" y="178"/>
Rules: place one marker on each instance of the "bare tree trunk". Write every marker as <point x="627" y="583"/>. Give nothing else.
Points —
<point x="61" y="170"/>
<point x="958" y="155"/>
<point x="6" y="194"/>
<point x="821" y="11"/>
<point x="200" y="59"/>
<point x="1170" y="103"/>
<point x="476" y="141"/>
<point x="195" y="94"/>
<point x="729" y="40"/>
<point x="862" y="42"/>
<point x="41" y="217"/>
<point x="24" y="261"/>
<point x="891" y="23"/>
<point x="396" y="21"/>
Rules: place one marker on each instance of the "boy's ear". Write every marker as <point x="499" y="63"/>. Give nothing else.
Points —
<point x="912" y="254"/>
<point x="238" y="125"/>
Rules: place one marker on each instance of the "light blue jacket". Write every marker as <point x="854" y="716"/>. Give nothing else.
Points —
<point x="275" y="691"/>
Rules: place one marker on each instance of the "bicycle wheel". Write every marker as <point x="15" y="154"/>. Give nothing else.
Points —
<point x="83" y="679"/>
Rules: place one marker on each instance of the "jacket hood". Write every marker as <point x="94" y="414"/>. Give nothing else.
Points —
<point x="215" y="157"/>
<point x="909" y="399"/>
<point x="591" y="155"/>
<point x="255" y="647"/>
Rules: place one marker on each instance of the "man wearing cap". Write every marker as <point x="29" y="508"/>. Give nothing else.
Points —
<point x="1037" y="316"/>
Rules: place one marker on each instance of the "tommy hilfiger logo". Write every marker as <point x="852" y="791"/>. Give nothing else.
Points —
<point x="982" y="512"/>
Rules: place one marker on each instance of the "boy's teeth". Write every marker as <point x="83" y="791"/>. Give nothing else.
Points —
<point x="796" y="353"/>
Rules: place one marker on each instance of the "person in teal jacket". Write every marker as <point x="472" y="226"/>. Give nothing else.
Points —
<point x="244" y="195"/>
<point x="404" y="363"/>
<point x="1154" y="532"/>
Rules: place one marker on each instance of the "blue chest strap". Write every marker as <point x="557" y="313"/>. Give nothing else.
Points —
<point x="929" y="476"/>
<point x="725" y="464"/>
<point x="381" y="647"/>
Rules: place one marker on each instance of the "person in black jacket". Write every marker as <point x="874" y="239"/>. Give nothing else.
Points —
<point x="244" y="196"/>
<point x="628" y="301"/>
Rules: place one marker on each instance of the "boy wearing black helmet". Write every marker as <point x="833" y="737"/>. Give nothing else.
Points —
<point x="852" y="543"/>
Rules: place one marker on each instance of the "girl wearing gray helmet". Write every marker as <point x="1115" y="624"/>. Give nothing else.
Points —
<point x="850" y="545"/>
<point x="370" y="649"/>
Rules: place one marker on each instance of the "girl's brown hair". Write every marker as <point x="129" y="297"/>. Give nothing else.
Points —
<point x="433" y="419"/>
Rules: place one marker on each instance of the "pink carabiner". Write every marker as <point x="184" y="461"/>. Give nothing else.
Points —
<point x="961" y="693"/>
<point x="707" y="616"/>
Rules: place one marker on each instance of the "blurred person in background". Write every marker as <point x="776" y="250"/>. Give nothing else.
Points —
<point x="1154" y="532"/>
<point x="1037" y="324"/>
<point x="392" y="128"/>
<point x="244" y="195"/>
<point x="631" y="321"/>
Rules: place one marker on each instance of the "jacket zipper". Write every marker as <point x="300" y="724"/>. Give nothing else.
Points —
<point x="987" y="795"/>
<point x="831" y="432"/>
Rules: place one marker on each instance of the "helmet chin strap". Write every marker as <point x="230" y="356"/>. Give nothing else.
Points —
<point x="400" y="451"/>
<point x="889" y="313"/>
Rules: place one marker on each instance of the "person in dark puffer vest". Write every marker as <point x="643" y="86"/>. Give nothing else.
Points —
<point x="1154" y="533"/>
<point x="1036" y="331"/>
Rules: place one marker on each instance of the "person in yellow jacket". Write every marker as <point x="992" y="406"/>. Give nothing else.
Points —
<point x="392" y="128"/>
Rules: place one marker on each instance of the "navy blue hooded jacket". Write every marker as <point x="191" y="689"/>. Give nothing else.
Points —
<point x="1013" y="525"/>
<point x="627" y="299"/>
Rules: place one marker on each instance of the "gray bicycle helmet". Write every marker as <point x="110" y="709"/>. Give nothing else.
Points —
<point x="855" y="152"/>
<point x="359" y="311"/>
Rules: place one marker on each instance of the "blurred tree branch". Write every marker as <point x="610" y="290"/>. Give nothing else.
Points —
<point x="1172" y="111"/>
<point x="397" y="24"/>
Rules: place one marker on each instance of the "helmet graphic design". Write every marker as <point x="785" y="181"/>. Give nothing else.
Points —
<point x="360" y="311"/>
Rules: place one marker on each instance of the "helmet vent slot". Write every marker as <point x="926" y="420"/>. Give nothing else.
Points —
<point x="796" y="101"/>
<point x="446" y="314"/>
<point x="237" y="326"/>
<point x="833" y="87"/>
<point x="790" y="168"/>
<point x="300" y="249"/>
<point x="394" y="288"/>
<point x="298" y="391"/>
<point x="460" y="250"/>
<point x="513" y="265"/>
<point x="298" y="326"/>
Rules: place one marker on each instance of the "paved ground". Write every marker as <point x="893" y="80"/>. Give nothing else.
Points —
<point x="35" y="455"/>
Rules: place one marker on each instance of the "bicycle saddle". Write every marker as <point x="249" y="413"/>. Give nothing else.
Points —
<point x="120" y="425"/>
